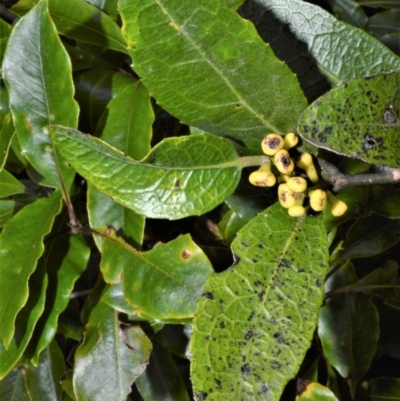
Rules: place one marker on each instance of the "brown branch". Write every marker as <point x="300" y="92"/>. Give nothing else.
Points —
<point x="338" y="180"/>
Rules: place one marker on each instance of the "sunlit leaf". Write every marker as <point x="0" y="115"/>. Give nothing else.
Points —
<point x="37" y="73"/>
<point x="180" y="176"/>
<point x="360" y="119"/>
<point x="348" y="327"/>
<point x="254" y="322"/>
<point x="110" y="357"/>
<point x="21" y="245"/>
<point x="200" y="62"/>
<point x="163" y="283"/>
<point x="315" y="392"/>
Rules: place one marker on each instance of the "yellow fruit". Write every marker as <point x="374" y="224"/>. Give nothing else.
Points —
<point x="297" y="211"/>
<point x="338" y="207"/>
<point x="297" y="184"/>
<point x="262" y="178"/>
<point x="290" y="140"/>
<point x="285" y="196"/>
<point x="305" y="162"/>
<point x="271" y="144"/>
<point x="283" y="162"/>
<point x="318" y="199"/>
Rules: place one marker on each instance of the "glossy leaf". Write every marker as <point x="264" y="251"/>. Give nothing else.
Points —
<point x="94" y="90"/>
<point x="65" y="260"/>
<point x="126" y="124"/>
<point x="316" y="392"/>
<point x="108" y="6"/>
<point x="12" y="387"/>
<point x="175" y="180"/>
<point x="43" y="381"/>
<point x="163" y="283"/>
<point x="255" y="321"/>
<point x="348" y="327"/>
<point x="37" y="73"/>
<point x="360" y="119"/>
<point x="21" y="245"/>
<point x="382" y="388"/>
<point x="321" y="50"/>
<point x="9" y="185"/>
<point x="208" y="67"/>
<point x="110" y="357"/>
<point x="8" y="208"/>
<point x="6" y="133"/>
<point x="113" y="296"/>
<point x="25" y="322"/>
<point x="368" y="237"/>
<point x="161" y="380"/>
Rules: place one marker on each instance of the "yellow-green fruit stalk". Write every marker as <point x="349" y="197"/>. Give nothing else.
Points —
<point x="305" y="162"/>
<point x="297" y="184"/>
<point x="283" y="162"/>
<point x="318" y="199"/>
<point x="338" y="207"/>
<point x="271" y="144"/>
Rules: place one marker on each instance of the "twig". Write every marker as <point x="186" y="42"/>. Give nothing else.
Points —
<point x="338" y="180"/>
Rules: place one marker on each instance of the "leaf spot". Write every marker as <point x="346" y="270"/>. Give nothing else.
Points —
<point x="208" y="295"/>
<point x="248" y="335"/>
<point x="389" y="117"/>
<point x="185" y="254"/>
<point x="201" y="395"/>
<point x="245" y="369"/>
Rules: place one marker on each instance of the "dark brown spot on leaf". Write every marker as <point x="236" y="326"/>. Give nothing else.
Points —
<point x="185" y="254"/>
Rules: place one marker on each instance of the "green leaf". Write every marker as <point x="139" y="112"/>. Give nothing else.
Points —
<point x="37" y="73"/>
<point x="380" y="3"/>
<point x="94" y="89"/>
<point x="349" y="11"/>
<point x="5" y="30"/>
<point x="182" y="176"/>
<point x="360" y="119"/>
<point x="108" y="6"/>
<point x="175" y="338"/>
<point x="348" y="327"/>
<point x="382" y="388"/>
<point x="12" y="387"/>
<point x="82" y="21"/>
<point x="21" y="245"/>
<point x="161" y="380"/>
<point x="6" y="134"/>
<point x="9" y="185"/>
<point x="163" y="283"/>
<point x="8" y="208"/>
<point x="110" y="357"/>
<point x="65" y="259"/>
<point x="385" y="22"/>
<point x="126" y="124"/>
<point x="368" y="237"/>
<point x="316" y="392"/>
<point x="208" y="67"/>
<point x="43" y="381"/>
<point x="255" y="321"/>
<point x="25" y="321"/>
<point x="113" y="296"/>
<point x="321" y="50"/>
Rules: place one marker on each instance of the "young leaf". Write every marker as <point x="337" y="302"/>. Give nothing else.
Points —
<point x="37" y="73"/>
<point x="161" y="380"/>
<point x="321" y="50"/>
<point x="21" y="245"/>
<point x="208" y="67"/>
<point x="360" y="119"/>
<point x="180" y="177"/>
<point x="110" y="357"/>
<point x="163" y="283"/>
<point x="348" y="327"/>
<point x="43" y="381"/>
<point x="254" y="322"/>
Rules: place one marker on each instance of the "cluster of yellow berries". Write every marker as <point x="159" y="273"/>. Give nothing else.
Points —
<point x="292" y="189"/>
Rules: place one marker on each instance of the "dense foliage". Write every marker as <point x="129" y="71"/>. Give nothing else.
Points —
<point x="136" y="260"/>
